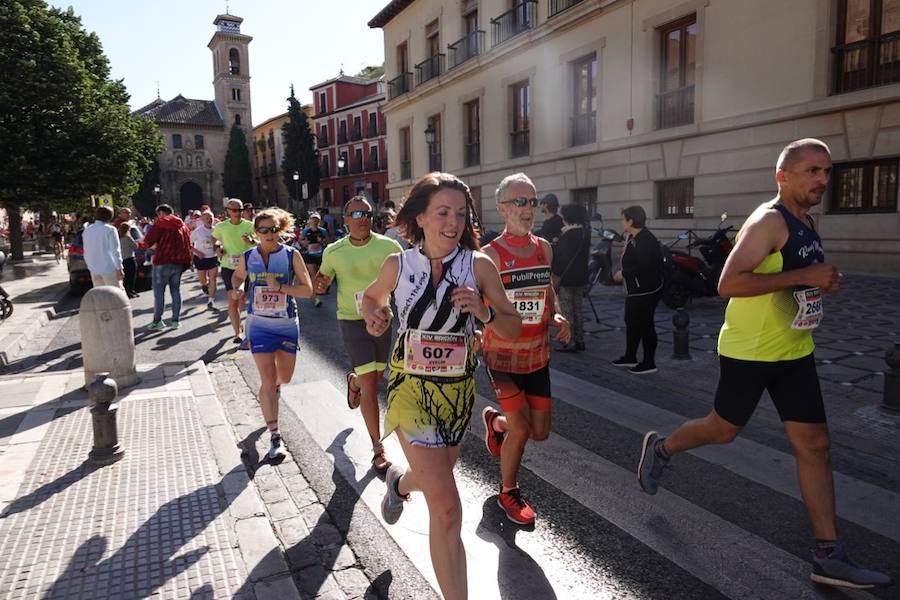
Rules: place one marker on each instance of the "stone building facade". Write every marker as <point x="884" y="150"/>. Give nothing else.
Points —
<point x="268" y="152"/>
<point x="681" y="106"/>
<point x="196" y="132"/>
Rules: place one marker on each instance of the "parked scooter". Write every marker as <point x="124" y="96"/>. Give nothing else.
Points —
<point x="689" y="277"/>
<point x="6" y="305"/>
<point x="600" y="263"/>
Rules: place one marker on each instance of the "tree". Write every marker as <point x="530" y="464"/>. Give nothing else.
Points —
<point x="371" y="72"/>
<point x="145" y="199"/>
<point x="65" y="128"/>
<point x="299" y="153"/>
<point x="238" y="176"/>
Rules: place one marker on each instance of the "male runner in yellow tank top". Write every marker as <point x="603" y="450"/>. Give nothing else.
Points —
<point x="775" y="277"/>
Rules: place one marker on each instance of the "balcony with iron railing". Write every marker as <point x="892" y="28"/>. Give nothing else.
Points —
<point x="518" y="143"/>
<point x="676" y="107"/>
<point x="323" y="141"/>
<point x="472" y="154"/>
<point x="429" y="68"/>
<point x="405" y="169"/>
<point x="372" y="166"/>
<point x="867" y="63"/>
<point x="356" y="167"/>
<point x="356" y="134"/>
<point x="584" y="129"/>
<point x="557" y="6"/>
<point x="342" y="137"/>
<point x="399" y="85"/>
<point x="434" y="161"/>
<point x="463" y="49"/>
<point x="323" y="171"/>
<point x="372" y="131"/>
<point x="513" y="22"/>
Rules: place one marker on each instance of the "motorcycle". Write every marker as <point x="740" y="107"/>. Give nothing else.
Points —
<point x="687" y="276"/>
<point x="600" y="263"/>
<point x="6" y="305"/>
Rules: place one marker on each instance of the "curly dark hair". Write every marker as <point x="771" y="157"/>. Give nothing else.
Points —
<point x="417" y="200"/>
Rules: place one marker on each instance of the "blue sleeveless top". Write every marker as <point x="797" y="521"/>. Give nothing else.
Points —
<point x="281" y="265"/>
<point x="803" y="247"/>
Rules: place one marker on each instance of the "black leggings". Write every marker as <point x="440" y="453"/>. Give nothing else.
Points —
<point x="129" y="268"/>
<point x="640" y="327"/>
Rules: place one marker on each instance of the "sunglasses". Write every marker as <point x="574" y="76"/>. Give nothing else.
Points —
<point x="234" y="209"/>
<point x="265" y="230"/>
<point x="522" y="201"/>
<point x="360" y="214"/>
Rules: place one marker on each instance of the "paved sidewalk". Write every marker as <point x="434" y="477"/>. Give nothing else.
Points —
<point x="34" y="286"/>
<point x="175" y="518"/>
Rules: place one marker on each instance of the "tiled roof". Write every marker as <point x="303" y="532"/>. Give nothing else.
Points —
<point x="394" y="8"/>
<point x="346" y="79"/>
<point x="183" y="111"/>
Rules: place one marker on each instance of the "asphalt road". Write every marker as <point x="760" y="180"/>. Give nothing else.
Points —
<point x="724" y="525"/>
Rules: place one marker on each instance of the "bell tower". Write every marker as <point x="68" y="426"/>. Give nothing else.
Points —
<point x="231" y="73"/>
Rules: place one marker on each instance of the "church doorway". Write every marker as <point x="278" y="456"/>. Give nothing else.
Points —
<point x="190" y="197"/>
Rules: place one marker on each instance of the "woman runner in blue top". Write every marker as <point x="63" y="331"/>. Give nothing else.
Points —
<point x="275" y="274"/>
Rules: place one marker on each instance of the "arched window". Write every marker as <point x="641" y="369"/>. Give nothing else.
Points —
<point x="198" y="142"/>
<point x="237" y="119"/>
<point x="176" y="140"/>
<point x="234" y="62"/>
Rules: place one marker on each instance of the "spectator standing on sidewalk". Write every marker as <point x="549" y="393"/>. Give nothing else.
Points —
<point x="128" y="245"/>
<point x="643" y="278"/>
<point x="171" y="241"/>
<point x="551" y="229"/>
<point x="102" y="253"/>
<point x="570" y="270"/>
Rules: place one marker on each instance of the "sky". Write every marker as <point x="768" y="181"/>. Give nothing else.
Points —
<point x="303" y="42"/>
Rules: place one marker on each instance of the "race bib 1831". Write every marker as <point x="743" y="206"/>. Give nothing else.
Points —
<point x="529" y="304"/>
<point x="809" y="311"/>
<point x="268" y="302"/>
<point x="431" y="353"/>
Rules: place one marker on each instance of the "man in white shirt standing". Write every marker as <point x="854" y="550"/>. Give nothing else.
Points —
<point x="102" y="251"/>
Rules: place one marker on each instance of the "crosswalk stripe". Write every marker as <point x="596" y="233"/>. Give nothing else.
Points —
<point x="734" y="561"/>
<point x="858" y="501"/>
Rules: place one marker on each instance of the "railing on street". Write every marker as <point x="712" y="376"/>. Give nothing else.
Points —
<point x="468" y="47"/>
<point x="513" y="22"/>
<point x="676" y="107"/>
<point x="557" y="6"/>
<point x="518" y="143"/>
<point x="429" y="68"/>
<point x="584" y="129"/>
<point x="472" y="154"/>
<point x="399" y="85"/>
<point x="405" y="169"/>
<point x="867" y="63"/>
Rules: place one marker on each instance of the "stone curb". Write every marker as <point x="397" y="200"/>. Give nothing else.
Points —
<point x="267" y="568"/>
<point x="11" y="345"/>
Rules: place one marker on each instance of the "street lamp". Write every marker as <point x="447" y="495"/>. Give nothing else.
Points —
<point x="296" y="178"/>
<point x="156" y="191"/>
<point x="429" y="139"/>
<point x="341" y="163"/>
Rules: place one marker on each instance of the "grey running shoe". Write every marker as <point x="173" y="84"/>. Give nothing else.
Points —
<point x="651" y="466"/>
<point x="277" y="452"/>
<point x="392" y="504"/>
<point x="838" y="570"/>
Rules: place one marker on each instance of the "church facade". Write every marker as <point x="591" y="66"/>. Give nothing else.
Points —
<point x="196" y="132"/>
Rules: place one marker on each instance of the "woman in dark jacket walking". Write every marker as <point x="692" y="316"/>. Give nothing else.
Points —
<point x="570" y="270"/>
<point x="643" y="278"/>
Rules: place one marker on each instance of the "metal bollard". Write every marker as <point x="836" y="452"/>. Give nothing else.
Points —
<point x="103" y="392"/>
<point x="681" y="336"/>
<point x="891" y="400"/>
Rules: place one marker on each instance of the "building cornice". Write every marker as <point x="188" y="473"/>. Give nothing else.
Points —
<point x="384" y="16"/>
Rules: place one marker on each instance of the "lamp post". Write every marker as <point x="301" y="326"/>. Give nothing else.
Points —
<point x="341" y="163"/>
<point x="156" y="192"/>
<point x="296" y="178"/>
<point x="429" y="139"/>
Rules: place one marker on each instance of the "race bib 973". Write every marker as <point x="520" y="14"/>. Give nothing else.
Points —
<point x="431" y="353"/>
<point x="269" y="302"/>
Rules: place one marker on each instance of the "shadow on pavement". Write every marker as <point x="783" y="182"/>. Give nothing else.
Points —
<point x="518" y="575"/>
<point x="148" y="558"/>
<point x="48" y="490"/>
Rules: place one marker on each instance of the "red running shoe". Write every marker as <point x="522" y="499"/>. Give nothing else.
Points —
<point x="492" y="439"/>
<point x="515" y="507"/>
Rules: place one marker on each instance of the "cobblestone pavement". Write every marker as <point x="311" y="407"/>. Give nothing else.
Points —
<point x="321" y="562"/>
<point x="164" y="521"/>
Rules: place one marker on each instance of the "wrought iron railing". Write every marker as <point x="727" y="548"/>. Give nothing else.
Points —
<point x="513" y="22"/>
<point x="429" y="68"/>
<point x="399" y="85"/>
<point x="323" y="141"/>
<point x="557" y="6"/>
<point x="868" y="63"/>
<point x="355" y="167"/>
<point x="584" y="129"/>
<point x="518" y="143"/>
<point x="371" y="131"/>
<point x="372" y="165"/>
<point x="463" y="49"/>
<point x="434" y="161"/>
<point x="342" y="137"/>
<point x="676" y="107"/>
<point x="356" y="135"/>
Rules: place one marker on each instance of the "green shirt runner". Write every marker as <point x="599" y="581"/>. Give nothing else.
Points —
<point x="355" y="267"/>
<point x="233" y="245"/>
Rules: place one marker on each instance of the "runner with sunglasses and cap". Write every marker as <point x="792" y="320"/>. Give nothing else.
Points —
<point x="233" y="238"/>
<point x="519" y="369"/>
<point x="275" y="275"/>
<point x="355" y="261"/>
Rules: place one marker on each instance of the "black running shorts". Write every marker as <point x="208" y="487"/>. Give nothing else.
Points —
<point x="793" y="386"/>
<point x="226" y="278"/>
<point x="367" y="352"/>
